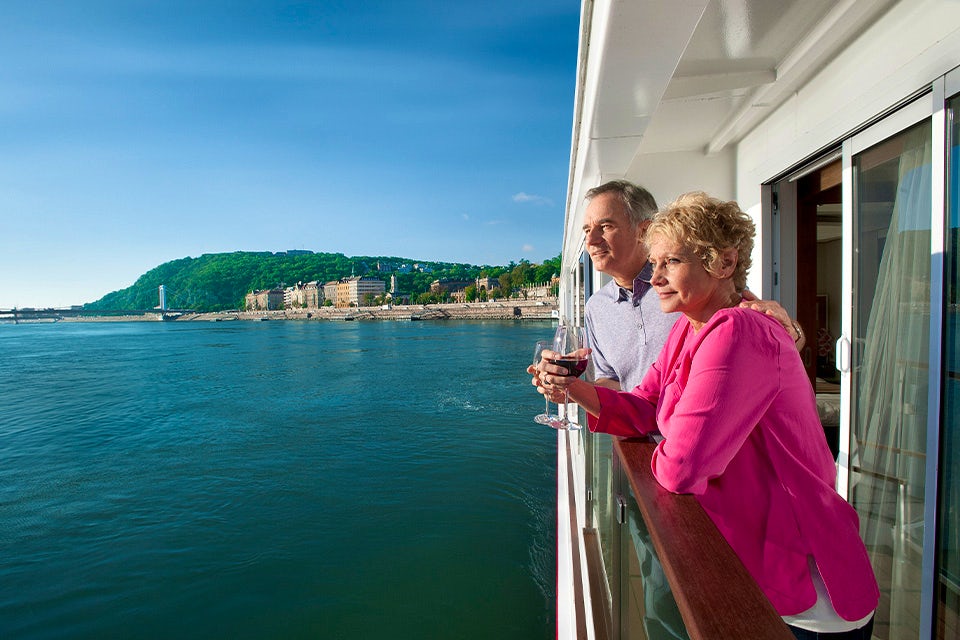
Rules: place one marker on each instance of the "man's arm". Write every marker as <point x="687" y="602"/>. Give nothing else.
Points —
<point x="773" y="309"/>
<point x="606" y="374"/>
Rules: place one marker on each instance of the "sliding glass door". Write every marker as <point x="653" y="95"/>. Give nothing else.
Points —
<point x="869" y="251"/>
<point x="888" y="346"/>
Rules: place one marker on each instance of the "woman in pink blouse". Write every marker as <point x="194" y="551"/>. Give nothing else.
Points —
<point x="740" y="426"/>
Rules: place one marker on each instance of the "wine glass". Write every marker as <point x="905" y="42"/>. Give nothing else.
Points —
<point x="568" y="339"/>
<point x="546" y="417"/>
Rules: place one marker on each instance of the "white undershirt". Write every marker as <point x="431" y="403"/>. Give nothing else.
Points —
<point x="822" y="617"/>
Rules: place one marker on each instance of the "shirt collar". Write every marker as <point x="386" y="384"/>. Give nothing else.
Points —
<point x="641" y="284"/>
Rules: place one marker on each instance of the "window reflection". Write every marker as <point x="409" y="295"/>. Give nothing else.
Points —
<point x="648" y="609"/>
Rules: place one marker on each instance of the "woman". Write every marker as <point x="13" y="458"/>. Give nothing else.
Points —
<point x="737" y="412"/>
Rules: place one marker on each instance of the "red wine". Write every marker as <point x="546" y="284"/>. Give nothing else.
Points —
<point x="574" y="367"/>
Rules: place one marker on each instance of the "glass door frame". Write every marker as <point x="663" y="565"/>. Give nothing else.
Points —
<point x="901" y="120"/>
<point x="945" y="89"/>
<point x="938" y="248"/>
<point x="931" y="105"/>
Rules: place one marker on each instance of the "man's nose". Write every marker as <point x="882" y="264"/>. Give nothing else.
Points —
<point x="593" y="236"/>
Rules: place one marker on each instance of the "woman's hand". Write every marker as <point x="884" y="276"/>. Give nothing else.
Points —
<point x="553" y="393"/>
<point x="557" y="375"/>
<point x="551" y="379"/>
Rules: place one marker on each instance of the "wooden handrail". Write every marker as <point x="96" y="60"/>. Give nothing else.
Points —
<point x="716" y="596"/>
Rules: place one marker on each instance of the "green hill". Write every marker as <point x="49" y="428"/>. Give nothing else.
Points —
<point x="219" y="281"/>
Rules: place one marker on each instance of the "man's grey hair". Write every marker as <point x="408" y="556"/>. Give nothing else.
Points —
<point x="640" y="204"/>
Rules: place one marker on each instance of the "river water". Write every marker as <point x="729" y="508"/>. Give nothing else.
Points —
<point x="274" y="480"/>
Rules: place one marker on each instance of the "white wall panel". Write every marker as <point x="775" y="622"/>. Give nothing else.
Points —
<point x="667" y="175"/>
<point x="903" y="52"/>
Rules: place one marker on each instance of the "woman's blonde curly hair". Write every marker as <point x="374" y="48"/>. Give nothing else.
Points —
<point x="708" y="226"/>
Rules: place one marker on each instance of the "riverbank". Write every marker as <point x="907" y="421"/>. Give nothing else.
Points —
<point x="499" y="310"/>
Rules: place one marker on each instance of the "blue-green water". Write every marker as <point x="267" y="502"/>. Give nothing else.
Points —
<point x="274" y="480"/>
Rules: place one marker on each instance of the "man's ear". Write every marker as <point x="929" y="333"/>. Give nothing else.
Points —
<point x="642" y="230"/>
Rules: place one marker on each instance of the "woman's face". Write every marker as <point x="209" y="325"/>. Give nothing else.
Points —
<point x="683" y="283"/>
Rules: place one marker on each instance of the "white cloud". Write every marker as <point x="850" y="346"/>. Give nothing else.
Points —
<point x="527" y="248"/>
<point x="464" y="216"/>
<point x="529" y="197"/>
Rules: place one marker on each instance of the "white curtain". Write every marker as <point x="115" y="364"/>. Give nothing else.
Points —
<point x="891" y="405"/>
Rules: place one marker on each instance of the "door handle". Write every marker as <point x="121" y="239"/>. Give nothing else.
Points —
<point x="843" y="354"/>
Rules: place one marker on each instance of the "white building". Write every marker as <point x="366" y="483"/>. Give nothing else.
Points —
<point x="353" y="292"/>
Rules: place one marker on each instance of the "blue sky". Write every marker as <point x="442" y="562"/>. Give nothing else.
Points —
<point x="134" y="132"/>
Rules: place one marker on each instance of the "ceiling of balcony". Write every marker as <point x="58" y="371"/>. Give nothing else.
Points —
<point x="682" y="75"/>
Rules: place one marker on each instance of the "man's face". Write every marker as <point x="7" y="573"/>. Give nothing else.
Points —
<point x="613" y="243"/>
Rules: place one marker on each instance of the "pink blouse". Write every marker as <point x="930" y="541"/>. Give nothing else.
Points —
<point x="742" y="433"/>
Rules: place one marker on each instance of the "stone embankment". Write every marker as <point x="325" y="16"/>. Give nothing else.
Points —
<point x="498" y="310"/>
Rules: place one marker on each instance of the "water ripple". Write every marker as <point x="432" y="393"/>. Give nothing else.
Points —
<point x="255" y="479"/>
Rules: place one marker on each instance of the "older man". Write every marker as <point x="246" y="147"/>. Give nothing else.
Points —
<point x="625" y="326"/>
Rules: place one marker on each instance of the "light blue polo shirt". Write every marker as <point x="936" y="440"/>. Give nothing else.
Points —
<point x="626" y="330"/>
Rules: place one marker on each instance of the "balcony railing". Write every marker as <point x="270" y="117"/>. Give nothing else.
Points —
<point x="715" y="595"/>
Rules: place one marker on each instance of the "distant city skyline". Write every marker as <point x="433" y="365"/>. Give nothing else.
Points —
<point x="139" y="133"/>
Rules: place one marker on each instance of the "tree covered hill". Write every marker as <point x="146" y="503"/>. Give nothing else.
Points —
<point x="219" y="281"/>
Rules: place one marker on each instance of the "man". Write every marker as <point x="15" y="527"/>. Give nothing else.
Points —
<point x="614" y="224"/>
<point x="625" y="327"/>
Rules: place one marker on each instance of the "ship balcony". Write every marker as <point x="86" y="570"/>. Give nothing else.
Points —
<point x="636" y="561"/>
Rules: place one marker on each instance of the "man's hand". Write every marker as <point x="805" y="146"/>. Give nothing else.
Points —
<point x="773" y="309"/>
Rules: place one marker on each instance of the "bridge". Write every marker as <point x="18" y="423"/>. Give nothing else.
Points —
<point x="17" y="316"/>
<point x="50" y="314"/>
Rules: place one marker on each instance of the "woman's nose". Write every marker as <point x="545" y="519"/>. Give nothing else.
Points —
<point x="656" y="275"/>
